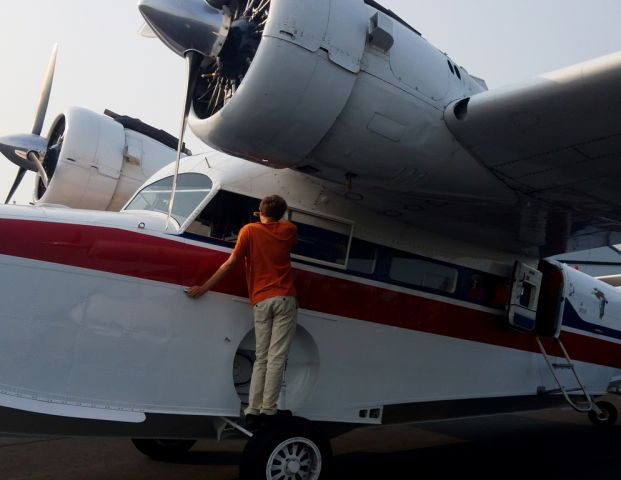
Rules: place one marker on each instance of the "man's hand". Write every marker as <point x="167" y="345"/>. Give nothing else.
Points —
<point x="196" y="291"/>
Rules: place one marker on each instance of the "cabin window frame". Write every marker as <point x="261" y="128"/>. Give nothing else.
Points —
<point x="348" y="223"/>
<point x="394" y="254"/>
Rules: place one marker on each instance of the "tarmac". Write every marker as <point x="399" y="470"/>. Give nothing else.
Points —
<point x="551" y="444"/>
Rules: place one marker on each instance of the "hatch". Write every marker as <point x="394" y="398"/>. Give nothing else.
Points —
<point x="524" y="297"/>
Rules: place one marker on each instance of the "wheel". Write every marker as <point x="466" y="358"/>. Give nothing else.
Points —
<point x="290" y="449"/>
<point x="607" y="417"/>
<point x="160" y="449"/>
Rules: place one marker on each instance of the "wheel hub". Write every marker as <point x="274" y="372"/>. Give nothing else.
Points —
<point x="293" y="467"/>
<point x="603" y="415"/>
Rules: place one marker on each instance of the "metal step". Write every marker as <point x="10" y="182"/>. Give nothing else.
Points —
<point x="228" y="428"/>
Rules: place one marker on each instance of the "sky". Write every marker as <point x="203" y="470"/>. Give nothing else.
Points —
<point x="104" y="63"/>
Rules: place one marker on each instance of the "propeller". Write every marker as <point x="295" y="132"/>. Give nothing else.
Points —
<point x="18" y="179"/>
<point x="218" y="38"/>
<point x="221" y="79"/>
<point x="193" y="63"/>
<point x="226" y="32"/>
<point x="27" y="150"/>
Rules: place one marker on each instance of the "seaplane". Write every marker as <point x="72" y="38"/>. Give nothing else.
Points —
<point x="427" y="208"/>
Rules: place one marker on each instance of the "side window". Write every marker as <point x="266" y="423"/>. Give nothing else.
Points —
<point x="362" y="257"/>
<point x="321" y="239"/>
<point x="224" y="216"/>
<point x="418" y="272"/>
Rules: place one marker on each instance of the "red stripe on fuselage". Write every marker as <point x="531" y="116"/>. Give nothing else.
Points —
<point x="116" y="251"/>
<point x="173" y="261"/>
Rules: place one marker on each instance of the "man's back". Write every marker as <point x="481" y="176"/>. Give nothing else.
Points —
<point x="267" y="248"/>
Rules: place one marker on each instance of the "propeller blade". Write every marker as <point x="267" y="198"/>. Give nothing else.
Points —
<point x="18" y="179"/>
<point x="193" y="63"/>
<point x="46" y="89"/>
<point x="34" y="158"/>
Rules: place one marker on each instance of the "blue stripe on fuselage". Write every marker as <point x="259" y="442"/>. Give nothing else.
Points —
<point x="571" y="318"/>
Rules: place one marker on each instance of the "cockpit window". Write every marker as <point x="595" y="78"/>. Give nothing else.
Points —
<point x="192" y="188"/>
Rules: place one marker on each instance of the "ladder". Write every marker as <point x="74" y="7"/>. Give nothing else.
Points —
<point x="585" y="406"/>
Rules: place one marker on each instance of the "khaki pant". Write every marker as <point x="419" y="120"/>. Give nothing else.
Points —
<point x="274" y="327"/>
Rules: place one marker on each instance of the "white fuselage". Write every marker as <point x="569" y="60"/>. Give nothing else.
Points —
<point x="96" y="325"/>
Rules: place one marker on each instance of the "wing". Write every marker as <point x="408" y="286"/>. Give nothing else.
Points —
<point x="557" y="141"/>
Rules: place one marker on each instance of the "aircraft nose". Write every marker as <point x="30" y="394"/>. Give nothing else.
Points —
<point x="189" y="25"/>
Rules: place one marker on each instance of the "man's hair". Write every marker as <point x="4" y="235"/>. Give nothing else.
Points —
<point x="273" y="207"/>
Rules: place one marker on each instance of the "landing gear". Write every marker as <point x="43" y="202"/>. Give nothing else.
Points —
<point x="607" y="417"/>
<point x="163" y="449"/>
<point x="290" y="449"/>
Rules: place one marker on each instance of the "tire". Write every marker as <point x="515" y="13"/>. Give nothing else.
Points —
<point x="290" y="449"/>
<point x="608" y="416"/>
<point x="163" y="449"/>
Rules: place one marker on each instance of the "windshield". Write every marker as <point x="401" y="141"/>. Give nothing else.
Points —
<point x="192" y="188"/>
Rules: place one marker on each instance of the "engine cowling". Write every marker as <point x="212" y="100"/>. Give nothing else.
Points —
<point x="94" y="162"/>
<point x="332" y="88"/>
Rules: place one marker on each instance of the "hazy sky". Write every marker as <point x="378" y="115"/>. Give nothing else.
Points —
<point x="104" y="63"/>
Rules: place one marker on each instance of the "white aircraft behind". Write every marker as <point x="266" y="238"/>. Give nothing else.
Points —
<point x="88" y="160"/>
<point x="424" y="206"/>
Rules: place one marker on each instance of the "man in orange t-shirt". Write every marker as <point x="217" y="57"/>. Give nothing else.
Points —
<point x="266" y="249"/>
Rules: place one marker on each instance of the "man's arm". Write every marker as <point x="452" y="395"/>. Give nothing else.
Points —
<point x="199" y="290"/>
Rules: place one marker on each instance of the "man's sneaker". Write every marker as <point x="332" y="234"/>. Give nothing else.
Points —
<point x="266" y="420"/>
<point x="252" y="421"/>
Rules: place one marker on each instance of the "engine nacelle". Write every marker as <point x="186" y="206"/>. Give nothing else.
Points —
<point x="335" y="88"/>
<point x="94" y="162"/>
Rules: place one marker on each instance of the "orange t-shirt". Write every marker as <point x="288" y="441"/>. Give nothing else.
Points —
<point x="266" y="248"/>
